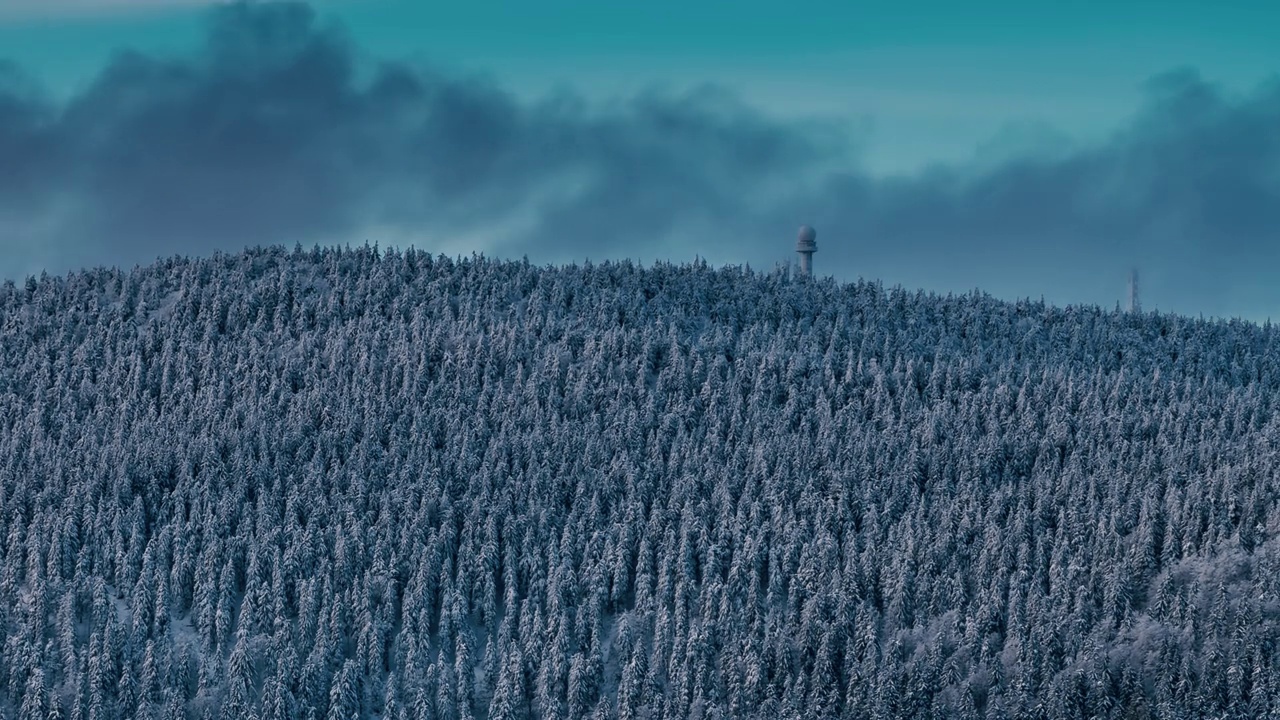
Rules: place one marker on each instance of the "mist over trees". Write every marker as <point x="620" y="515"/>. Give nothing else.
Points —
<point x="374" y="484"/>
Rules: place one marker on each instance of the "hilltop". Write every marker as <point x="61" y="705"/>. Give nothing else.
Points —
<point x="361" y="483"/>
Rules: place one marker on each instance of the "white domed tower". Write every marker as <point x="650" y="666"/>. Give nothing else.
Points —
<point x="806" y="246"/>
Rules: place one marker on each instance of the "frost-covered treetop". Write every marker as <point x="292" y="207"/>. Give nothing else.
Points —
<point x="362" y="483"/>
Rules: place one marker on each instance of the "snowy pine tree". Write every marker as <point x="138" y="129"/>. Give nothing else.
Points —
<point x="355" y="483"/>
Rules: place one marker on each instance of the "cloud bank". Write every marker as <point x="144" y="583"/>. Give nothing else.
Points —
<point x="279" y="130"/>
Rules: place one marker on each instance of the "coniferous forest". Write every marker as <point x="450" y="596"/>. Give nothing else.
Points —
<point x="358" y="483"/>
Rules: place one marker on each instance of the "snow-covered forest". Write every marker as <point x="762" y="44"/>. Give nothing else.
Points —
<point x="374" y="484"/>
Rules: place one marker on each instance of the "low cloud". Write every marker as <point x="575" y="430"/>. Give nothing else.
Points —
<point x="1189" y="190"/>
<point x="278" y="130"/>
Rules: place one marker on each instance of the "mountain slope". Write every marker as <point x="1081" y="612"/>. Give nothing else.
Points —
<point x="351" y="483"/>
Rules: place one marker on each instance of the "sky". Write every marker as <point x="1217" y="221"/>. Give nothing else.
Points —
<point x="1024" y="149"/>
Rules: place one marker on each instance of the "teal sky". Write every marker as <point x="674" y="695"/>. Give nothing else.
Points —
<point x="1030" y="149"/>
<point x="918" y="82"/>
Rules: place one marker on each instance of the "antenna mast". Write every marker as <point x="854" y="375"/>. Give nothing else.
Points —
<point x="1135" y="305"/>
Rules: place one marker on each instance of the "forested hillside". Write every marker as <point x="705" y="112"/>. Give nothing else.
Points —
<point x="363" y="484"/>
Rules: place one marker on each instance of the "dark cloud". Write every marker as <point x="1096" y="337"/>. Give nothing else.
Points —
<point x="278" y="130"/>
<point x="1189" y="191"/>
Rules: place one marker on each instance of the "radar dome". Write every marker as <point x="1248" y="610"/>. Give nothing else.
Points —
<point x="805" y="239"/>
